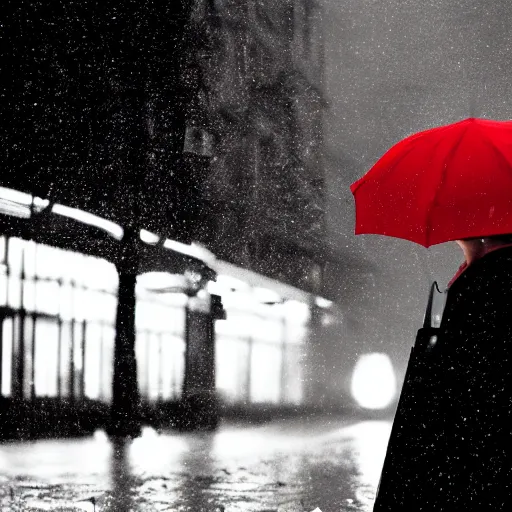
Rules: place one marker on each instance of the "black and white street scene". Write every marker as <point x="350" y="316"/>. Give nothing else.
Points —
<point x="255" y="255"/>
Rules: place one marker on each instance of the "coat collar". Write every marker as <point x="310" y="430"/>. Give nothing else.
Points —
<point x="465" y="266"/>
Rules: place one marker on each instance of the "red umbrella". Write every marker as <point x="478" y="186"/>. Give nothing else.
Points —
<point x="442" y="184"/>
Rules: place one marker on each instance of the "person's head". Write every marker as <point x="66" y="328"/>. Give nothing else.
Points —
<point x="473" y="248"/>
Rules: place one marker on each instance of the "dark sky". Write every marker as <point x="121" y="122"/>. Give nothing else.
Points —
<point x="395" y="67"/>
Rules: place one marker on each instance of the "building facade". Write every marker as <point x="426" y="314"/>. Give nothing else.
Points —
<point x="211" y="162"/>
<point x="260" y="103"/>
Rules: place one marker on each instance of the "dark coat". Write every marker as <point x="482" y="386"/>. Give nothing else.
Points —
<point x="451" y="445"/>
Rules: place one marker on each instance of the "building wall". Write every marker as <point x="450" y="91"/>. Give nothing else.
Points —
<point x="92" y="109"/>
<point x="261" y="103"/>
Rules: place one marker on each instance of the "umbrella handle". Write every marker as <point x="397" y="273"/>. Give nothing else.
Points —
<point x="426" y="332"/>
<point x="427" y="320"/>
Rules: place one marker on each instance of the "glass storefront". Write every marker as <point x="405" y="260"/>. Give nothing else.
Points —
<point x="57" y="311"/>
<point x="259" y="350"/>
<point x="160" y="345"/>
<point x="57" y="317"/>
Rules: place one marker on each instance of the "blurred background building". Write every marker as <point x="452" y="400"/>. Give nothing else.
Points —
<point x="183" y="146"/>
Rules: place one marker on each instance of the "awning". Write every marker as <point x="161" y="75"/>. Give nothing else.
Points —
<point x="32" y="218"/>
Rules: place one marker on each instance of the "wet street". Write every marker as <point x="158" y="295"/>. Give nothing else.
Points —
<point x="284" y="466"/>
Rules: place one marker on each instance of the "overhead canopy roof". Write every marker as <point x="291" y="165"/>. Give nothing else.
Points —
<point x="32" y="218"/>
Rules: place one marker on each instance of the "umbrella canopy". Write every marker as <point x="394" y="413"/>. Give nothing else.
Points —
<point x="447" y="183"/>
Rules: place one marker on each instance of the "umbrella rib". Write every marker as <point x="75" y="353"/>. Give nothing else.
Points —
<point x="414" y="138"/>
<point x="411" y="138"/>
<point x="493" y="146"/>
<point x="442" y="181"/>
<point x="397" y="161"/>
<point x="391" y="168"/>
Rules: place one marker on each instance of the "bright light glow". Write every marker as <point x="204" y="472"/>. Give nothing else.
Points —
<point x="257" y="280"/>
<point x="15" y="196"/>
<point x="203" y="295"/>
<point x="160" y="321"/>
<point x="14" y="209"/>
<point x="14" y="202"/>
<point x="144" y="449"/>
<point x="231" y="367"/>
<point x="369" y="440"/>
<point x="373" y="381"/>
<point x="148" y="433"/>
<point x="148" y="237"/>
<point x="46" y="357"/>
<point x="266" y="295"/>
<point x="194" y="250"/>
<point x="18" y="204"/>
<point x="160" y="345"/>
<point x="40" y="204"/>
<point x="88" y="218"/>
<point x="231" y="283"/>
<point x="323" y="303"/>
<point x="296" y="311"/>
<point x="226" y="285"/>
<point x="207" y="256"/>
<point x="162" y="281"/>
<point x="237" y="301"/>
<point x="85" y="505"/>
<point x="100" y="436"/>
<point x="7" y="332"/>
<point x="266" y="361"/>
<point x="93" y="354"/>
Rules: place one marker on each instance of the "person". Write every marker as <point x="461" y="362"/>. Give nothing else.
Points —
<point x="452" y="449"/>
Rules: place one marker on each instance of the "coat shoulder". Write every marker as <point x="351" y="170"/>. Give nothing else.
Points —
<point x="490" y="275"/>
<point x="479" y="304"/>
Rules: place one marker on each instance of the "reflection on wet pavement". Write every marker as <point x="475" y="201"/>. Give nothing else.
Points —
<point x="286" y="466"/>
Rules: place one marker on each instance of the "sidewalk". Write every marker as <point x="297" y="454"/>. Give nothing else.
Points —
<point x="284" y="466"/>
